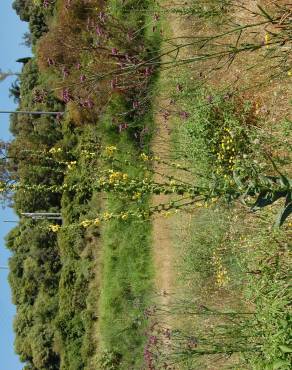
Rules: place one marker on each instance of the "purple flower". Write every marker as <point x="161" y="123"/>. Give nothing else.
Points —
<point x="148" y="358"/>
<point x="184" y="114"/>
<point x="123" y="126"/>
<point x="166" y="115"/>
<point x="153" y="340"/>
<point x="46" y="3"/>
<point x="209" y="98"/>
<point x="66" y="96"/>
<point x="82" y="78"/>
<point x="87" y="103"/>
<point x="50" y="62"/>
<point x="99" y="31"/>
<point x="102" y="16"/>
<point x="114" y="51"/>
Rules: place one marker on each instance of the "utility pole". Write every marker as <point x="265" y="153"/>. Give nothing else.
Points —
<point x="33" y="113"/>
<point x="4" y="75"/>
<point x="43" y="215"/>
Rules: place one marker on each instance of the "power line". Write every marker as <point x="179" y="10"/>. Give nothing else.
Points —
<point x="32" y="112"/>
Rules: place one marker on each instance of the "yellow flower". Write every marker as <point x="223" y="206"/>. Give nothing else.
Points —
<point x="137" y="196"/>
<point x="109" y="150"/>
<point x="107" y="216"/>
<point x="124" y="216"/>
<point x="85" y="223"/>
<point x="96" y="222"/>
<point x="267" y="39"/>
<point x="144" y="157"/>
<point x="71" y="165"/>
<point x="54" y="228"/>
<point x="116" y="176"/>
<point x="289" y="73"/>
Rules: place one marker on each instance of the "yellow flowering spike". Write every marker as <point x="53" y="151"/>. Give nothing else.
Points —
<point x="110" y="150"/>
<point x="85" y="223"/>
<point x="54" y="228"/>
<point x="137" y="196"/>
<point x="144" y="157"/>
<point x="71" y="165"/>
<point x="96" y="222"/>
<point x="107" y="216"/>
<point x="267" y="39"/>
<point x="116" y="176"/>
<point x="124" y="216"/>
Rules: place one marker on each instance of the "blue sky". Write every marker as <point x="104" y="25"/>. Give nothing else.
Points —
<point x="11" y="31"/>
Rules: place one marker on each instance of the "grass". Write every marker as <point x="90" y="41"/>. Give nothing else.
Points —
<point x="230" y="259"/>
<point x="104" y="328"/>
<point x="234" y="266"/>
<point x="127" y="267"/>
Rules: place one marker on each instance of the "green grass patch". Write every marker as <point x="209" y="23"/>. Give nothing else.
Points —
<point x="231" y="260"/>
<point x="127" y="266"/>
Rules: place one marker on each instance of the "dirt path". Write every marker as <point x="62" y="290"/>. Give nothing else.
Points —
<point x="163" y="249"/>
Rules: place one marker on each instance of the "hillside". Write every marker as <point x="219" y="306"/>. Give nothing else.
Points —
<point x="166" y="150"/>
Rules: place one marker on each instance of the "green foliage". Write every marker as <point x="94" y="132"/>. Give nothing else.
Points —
<point x="35" y="14"/>
<point x="34" y="275"/>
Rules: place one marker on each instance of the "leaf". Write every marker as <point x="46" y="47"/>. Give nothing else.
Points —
<point x="283" y="179"/>
<point x="283" y="214"/>
<point x="265" y="198"/>
<point x="278" y="364"/>
<point x="285" y="349"/>
<point x="265" y="13"/>
<point x="237" y="180"/>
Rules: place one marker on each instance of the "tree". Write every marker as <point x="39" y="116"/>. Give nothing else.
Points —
<point x="27" y="39"/>
<point x="22" y="8"/>
<point x="14" y="91"/>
